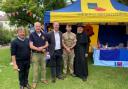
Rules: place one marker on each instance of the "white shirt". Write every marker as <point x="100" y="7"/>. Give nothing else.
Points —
<point x="20" y="38"/>
<point x="57" y="40"/>
<point x="39" y="34"/>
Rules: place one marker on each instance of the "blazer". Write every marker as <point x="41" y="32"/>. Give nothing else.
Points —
<point x="51" y="41"/>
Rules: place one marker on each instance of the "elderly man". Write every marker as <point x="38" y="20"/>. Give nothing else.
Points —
<point x="55" y="50"/>
<point x="20" y="53"/>
<point x="38" y="44"/>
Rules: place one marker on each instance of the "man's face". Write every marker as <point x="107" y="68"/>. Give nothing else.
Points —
<point x="80" y="29"/>
<point x="38" y="27"/>
<point x="56" y="26"/>
<point x="68" y="28"/>
<point x="21" y="34"/>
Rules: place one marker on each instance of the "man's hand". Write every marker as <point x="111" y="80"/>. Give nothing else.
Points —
<point x="39" y="49"/>
<point x="68" y="50"/>
<point x="86" y="55"/>
<point x="43" y="50"/>
<point x="15" y="67"/>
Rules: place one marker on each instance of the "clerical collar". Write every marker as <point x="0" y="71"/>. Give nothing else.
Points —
<point x="21" y="38"/>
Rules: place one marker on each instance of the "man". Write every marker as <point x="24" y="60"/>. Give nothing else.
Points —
<point x="69" y="42"/>
<point x="55" y="50"/>
<point x="20" y="53"/>
<point x="80" y="50"/>
<point x="38" y="44"/>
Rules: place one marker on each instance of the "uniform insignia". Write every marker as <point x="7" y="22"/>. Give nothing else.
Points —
<point x="42" y="37"/>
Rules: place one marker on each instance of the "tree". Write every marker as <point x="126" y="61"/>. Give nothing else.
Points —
<point x="124" y="1"/>
<point x="71" y="1"/>
<point x="24" y="12"/>
<point x="54" y="4"/>
<point x="5" y="36"/>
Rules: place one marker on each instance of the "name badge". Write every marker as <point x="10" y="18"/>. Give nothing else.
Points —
<point x="43" y="37"/>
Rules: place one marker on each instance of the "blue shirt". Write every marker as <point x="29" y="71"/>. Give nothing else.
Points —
<point x="37" y="40"/>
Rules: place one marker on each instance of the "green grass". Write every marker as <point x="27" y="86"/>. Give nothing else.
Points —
<point x="99" y="77"/>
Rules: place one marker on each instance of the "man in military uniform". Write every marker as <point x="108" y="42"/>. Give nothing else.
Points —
<point x="69" y="41"/>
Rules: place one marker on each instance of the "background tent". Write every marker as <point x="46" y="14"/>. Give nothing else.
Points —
<point x="98" y="11"/>
<point x="89" y="11"/>
<point x="86" y="11"/>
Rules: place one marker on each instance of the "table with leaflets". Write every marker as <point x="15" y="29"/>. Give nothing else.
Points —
<point x="115" y="57"/>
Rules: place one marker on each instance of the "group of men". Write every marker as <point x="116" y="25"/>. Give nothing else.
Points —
<point x="61" y="49"/>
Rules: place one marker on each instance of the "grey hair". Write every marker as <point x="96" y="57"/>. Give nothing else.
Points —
<point x="20" y="29"/>
<point x="37" y="23"/>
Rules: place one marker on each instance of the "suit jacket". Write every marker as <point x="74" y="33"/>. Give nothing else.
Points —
<point x="51" y="41"/>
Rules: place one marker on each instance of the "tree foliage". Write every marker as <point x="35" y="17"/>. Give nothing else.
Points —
<point x="5" y="36"/>
<point x="24" y="12"/>
<point x="123" y="1"/>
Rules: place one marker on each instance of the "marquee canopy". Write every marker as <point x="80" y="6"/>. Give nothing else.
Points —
<point x="89" y="11"/>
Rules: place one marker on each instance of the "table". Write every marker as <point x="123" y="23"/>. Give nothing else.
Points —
<point x="117" y="57"/>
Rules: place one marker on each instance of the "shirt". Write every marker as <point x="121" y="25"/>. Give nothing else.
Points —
<point x="20" y="49"/>
<point x="37" y="40"/>
<point x="57" y="40"/>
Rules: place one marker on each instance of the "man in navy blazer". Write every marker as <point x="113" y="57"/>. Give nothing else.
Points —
<point x="55" y="49"/>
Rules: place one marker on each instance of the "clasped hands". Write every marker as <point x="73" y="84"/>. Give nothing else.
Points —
<point x="68" y="49"/>
<point x="40" y="49"/>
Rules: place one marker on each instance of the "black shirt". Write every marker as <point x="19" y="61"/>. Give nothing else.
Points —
<point x="38" y="41"/>
<point x="20" y="49"/>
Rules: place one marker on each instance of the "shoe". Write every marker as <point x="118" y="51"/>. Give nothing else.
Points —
<point x="53" y="80"/>
<point x="73" y="75"/>
<point x="44" y="81"/>
<point x="65" y="75"/>
<point x="84" y="79"/>
<point x="28" y="86"/>
<point x="21" y="87"/>
<point x="60" y="77"/>
<point x="34" y="85"/>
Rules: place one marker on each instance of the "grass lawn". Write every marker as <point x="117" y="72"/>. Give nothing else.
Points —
<point x="99" y="77"/>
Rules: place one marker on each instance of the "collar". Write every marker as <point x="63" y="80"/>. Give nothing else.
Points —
<point x="38" y="33"/>
<point x="56" y="32"/>
<point x="68" y="32"/>
<point x="20" y="38"/>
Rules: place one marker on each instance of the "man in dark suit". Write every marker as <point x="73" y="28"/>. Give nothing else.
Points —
<point x="55" y="49"/>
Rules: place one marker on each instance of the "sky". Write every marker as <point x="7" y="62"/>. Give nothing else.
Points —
<point x="2" y="13"/>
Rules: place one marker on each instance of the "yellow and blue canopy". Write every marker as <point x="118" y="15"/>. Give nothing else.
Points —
<point x="89" y="11"/>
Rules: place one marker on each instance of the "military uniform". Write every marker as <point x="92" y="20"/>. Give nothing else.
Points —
<point x="69" y="39"/>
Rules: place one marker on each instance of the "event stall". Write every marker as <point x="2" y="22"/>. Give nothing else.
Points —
<point x="95" y="11"/>
<point x="89" y="11"/>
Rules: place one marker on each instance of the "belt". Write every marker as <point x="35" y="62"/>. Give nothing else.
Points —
<point x="36" y="52"/>
<point x="58" y="50"/>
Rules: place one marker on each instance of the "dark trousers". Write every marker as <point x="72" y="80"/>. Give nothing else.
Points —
<point x="56" y="64"/>
<point x="23" y="72"/>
